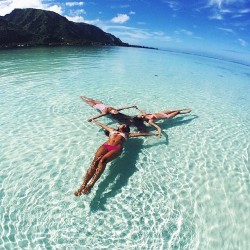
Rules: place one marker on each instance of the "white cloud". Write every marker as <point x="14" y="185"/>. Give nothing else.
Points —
<point x="242" y="42"/>
<point x="124" y="6"/>
<point x="187" y="32"/>
<point x="183" y="31"/>
<point x="56" y="8"/>
<point x="6" y="6"/>
<point x="174" y="5"/>
<point x="221" y="3"/>
<point x="158" y="33"/>
<point x="217" y="3"/>
<point x="235" y="8"/>
<point x="198" y="37"/>
<point x="120" y="18"/>
<point x="216" y="16"/>
<point x="76" y="13"/>
<point x="96" y="22"/>
<point x="226" y="30"/>
<point x="127" y="33"/>
<point x="76" y="19"/>
<point x="134" y="35"/>
<point x="237" y="16"/>
<point x="225" y="11"/>
<point x="71" y="4"/>
<point x="131" y="13"/>
<point x="244" y="11"/>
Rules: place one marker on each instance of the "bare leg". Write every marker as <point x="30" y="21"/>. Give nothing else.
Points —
<point x="88" y="175"/>
<point x="185" y="111"/>
<point x="89" y="101"/>
<point x="168" y="111"/>
<point x="181" y="111"/>
<point x="173" y="114"/>
<point x="92" y="169"/>
<point x="111" y="155"/>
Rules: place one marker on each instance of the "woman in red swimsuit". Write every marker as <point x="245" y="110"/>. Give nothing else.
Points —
<point x="107" y="152"/>
<point x="167" y="114"/>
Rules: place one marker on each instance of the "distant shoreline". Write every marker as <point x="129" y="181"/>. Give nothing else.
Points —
<point x="49" y="45"/>
<point x="207" y="55"/>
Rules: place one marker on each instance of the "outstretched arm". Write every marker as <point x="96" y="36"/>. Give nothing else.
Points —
<point x="104" y="126"/>
<point x="156" y="126"/>
<point x="95" y="117"/>
<point x="126" y="107"/>
<point x="141" y="111"/>
<point x="140" y="134"/>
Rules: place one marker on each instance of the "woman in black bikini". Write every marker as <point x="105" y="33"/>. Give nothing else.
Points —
<point x="107" y="152"/>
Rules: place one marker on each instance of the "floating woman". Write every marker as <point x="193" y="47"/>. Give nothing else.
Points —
<point x="166" y="114"/>
<point x="115" y="114"/>
<point x="107" y="152"/>
<point x="102" y="108"/>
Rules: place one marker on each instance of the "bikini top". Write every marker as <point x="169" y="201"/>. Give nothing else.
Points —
<point x="100" y="106"/>
<point x="115" y="132"/>
<point x="150" y="116"/>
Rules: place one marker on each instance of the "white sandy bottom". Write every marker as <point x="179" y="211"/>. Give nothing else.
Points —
<point x="186" y="190"/>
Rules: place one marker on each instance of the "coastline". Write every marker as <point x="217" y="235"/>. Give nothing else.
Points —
<point x="83" y="44"/>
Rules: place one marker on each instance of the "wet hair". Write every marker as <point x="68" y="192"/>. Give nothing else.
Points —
<point x="137" y="120"/>
<point x="139" y="124"/>
<point x="126" y="129"/>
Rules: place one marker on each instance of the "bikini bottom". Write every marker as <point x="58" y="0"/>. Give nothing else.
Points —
<point x="112" y="147"/>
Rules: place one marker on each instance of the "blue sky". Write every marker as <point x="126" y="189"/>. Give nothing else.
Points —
<point x="200" y="25"/>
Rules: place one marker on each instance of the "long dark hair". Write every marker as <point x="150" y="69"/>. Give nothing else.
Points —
<point x="126" y="130"/>
<point x="137" y="120"/>
<point x="139" y="123"/>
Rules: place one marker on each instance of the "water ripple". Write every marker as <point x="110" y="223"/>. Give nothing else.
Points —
<point x="186" y="190"/>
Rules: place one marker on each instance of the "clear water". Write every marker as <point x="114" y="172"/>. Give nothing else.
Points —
<point x="187" y="190"/>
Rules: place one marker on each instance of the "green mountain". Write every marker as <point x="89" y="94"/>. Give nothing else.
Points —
<point x="11" y="34"/>
<point x="41" y="27"/>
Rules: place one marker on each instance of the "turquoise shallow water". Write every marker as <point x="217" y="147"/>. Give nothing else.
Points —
<point x="187" y="190"/>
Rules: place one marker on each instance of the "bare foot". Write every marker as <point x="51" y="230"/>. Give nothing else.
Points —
<point x="87" y="190"/>
<point x="184" y="111"/>
<point x="79" y="192"/>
